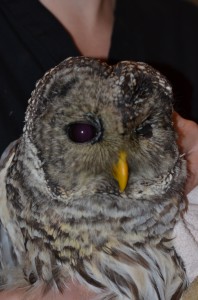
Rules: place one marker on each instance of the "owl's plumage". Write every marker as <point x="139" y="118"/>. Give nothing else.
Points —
<point x="63" y="214"/>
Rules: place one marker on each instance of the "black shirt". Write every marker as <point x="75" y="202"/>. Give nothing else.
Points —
<point x="163" y="33"/>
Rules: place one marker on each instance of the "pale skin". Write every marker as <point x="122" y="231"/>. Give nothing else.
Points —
<point x="90" y="24"/>
<point x="188" y="141"/>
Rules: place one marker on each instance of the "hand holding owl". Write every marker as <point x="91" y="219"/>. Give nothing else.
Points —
<point x="188" y="141"/>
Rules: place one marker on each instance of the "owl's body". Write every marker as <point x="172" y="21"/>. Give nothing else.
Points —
<point x="64" y="215"/>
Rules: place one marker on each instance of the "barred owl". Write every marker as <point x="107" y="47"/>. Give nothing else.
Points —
<point x="94" y="187"/>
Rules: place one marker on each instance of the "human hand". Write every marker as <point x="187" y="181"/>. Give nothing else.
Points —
<point x="72" y="292"/>
<point x="188" y="141"/>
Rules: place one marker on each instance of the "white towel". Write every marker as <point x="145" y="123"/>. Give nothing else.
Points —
<point x="186" y="233"/>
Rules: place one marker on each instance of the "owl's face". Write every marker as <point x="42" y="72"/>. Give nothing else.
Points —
<point x="87" y="113"/>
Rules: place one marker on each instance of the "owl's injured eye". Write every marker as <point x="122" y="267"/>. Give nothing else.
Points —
<point x="145" y="130"/>
<point x="81" y="132"/>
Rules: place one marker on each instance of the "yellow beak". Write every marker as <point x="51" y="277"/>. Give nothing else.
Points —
<point x="120" y="171"/>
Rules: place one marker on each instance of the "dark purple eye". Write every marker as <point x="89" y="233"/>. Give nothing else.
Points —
<point x="81" y="132"/>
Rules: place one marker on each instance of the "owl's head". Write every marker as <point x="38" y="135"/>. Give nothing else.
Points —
<point x="103" y="127"/>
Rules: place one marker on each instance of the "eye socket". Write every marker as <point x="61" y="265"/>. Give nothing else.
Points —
<point x="81" y="132"/>
<point x="145" y="130"/>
